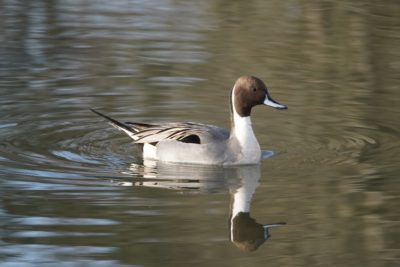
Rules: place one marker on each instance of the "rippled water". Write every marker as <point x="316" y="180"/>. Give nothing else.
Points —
<point x="74" y="191"/>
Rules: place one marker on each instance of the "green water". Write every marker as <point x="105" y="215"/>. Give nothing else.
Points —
<point x="74" y="191"/>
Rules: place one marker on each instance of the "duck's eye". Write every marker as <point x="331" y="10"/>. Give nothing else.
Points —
<point x="254" y="89"/>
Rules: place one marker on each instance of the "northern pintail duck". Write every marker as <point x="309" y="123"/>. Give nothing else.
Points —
<point x="191" y="142"/>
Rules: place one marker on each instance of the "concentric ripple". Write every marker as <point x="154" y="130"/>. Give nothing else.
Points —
<point x="73" y="150"/>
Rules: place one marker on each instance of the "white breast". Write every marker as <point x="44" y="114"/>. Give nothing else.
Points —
<point x="243" y="131"/>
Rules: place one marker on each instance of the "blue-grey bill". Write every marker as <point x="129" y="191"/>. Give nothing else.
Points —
<point x="272" y="103"/>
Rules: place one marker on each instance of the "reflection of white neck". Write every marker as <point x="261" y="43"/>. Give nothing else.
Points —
<point x="250" y="176"/>
<point x="243" y="195"/>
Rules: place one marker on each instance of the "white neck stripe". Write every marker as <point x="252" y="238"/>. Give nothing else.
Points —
<point x="242" y="125"/>
<point x="243" y="131"/>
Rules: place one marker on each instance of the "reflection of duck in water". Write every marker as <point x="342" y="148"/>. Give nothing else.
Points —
<point x="245" y="232"/>
<point x="184" y="177"/>
<point x="242" y="181"/>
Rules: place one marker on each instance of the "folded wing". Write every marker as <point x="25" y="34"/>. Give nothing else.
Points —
<point x="187" y="132"/>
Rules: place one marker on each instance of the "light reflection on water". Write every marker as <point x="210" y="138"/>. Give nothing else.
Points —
<point x="64" y="172"/>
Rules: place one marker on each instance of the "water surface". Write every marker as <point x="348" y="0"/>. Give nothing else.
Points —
<point x="74" y="191"/>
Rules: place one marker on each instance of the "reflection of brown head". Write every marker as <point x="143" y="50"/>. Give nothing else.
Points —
<point x="247" y="234"/>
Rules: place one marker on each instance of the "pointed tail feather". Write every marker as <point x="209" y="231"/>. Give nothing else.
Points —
<point x="119" y="125"/>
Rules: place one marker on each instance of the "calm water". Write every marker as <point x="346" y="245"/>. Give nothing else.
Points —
<point x="74" y="192"/>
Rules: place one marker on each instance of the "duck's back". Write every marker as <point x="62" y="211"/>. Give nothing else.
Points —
<point x="185" y="132"/>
